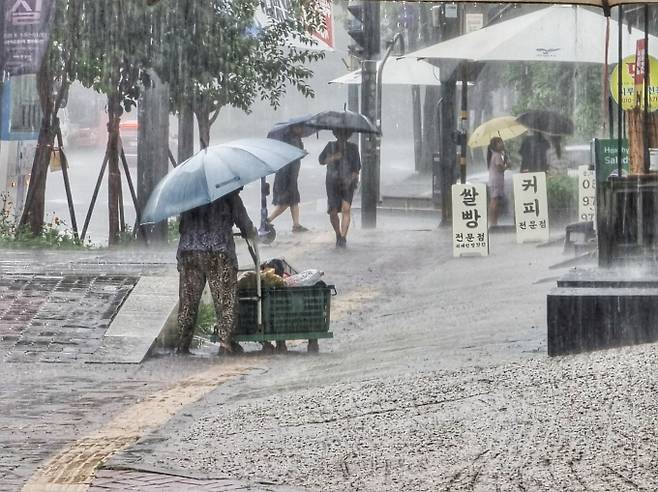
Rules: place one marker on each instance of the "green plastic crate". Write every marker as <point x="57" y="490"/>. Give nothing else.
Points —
<point x="287" y="310"/>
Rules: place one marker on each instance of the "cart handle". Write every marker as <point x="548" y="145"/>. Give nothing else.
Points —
<point x="252" y="252"/>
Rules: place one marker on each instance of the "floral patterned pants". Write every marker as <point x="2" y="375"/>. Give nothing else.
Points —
<point x="195" y="268"/>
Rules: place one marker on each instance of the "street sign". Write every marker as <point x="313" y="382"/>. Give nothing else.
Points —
<point x="630" y="95"/>
<point x="605" y="157"/>
<point x="470" y="235"/>
<point x="586" y="195"/>
<point x="530" y="207"/>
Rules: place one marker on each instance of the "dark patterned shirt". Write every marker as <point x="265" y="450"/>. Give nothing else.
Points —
<point x="210" y="227"/>
<point x="349" y="163"/>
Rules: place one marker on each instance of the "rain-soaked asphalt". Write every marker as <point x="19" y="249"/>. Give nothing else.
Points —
<point x="437" y="380"/>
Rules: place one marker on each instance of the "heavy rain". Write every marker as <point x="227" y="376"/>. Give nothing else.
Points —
<point x="328" y="245"/>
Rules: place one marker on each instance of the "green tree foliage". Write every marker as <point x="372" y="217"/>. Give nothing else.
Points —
<point x="574" y="91"/>
<point x="209" y="52"/>
<point x="212" y="55"/>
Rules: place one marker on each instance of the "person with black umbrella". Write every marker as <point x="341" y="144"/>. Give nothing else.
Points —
<point x="343" y="167"/>
<point x="533" y="151"/>
<point x="286" y="192"/>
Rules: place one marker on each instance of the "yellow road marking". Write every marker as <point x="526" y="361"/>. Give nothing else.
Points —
<point x="72" y="468"/>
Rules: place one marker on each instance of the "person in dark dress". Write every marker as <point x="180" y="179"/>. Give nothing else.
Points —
<point x="534" y="148"/>
<point x="285" y="191"/>
<point x="343" y="166"/>
<point x="206" y="252"/>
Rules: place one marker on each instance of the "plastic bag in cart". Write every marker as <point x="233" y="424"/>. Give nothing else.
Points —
<point x="307" y="278"/>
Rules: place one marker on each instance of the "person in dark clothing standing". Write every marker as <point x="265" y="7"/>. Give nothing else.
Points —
<point x="206" y="252"/>
<point x="343" y="166"/>
<point x="534" y="148"/>
<point x="286" y="191"/>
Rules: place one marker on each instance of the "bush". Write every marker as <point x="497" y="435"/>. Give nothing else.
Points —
<point x="54" y="234"/>
<point x="562" y="195"/>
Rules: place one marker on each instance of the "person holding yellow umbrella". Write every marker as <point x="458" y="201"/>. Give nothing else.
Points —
<point x="492" y="134"/>
<point x="505" y="127"/>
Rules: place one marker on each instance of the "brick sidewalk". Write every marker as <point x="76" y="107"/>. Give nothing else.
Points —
<point x="57" y="318"/>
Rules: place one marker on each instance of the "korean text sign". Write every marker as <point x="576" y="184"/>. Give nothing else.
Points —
<point x="530" y="207"/>
<point x="470" y="234"/>
<point x="586" y="194"/>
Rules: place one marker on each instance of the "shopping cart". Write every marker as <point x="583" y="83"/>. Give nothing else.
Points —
<point x="275" y="314"/>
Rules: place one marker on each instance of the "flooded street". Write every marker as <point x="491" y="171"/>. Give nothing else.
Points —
<point x="453" y="284"/>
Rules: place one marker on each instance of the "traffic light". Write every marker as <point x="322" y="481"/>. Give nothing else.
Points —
<point x="363" y="27"/>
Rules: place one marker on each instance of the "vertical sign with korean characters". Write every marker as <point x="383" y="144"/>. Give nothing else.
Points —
<point x="586" y="195"/>
<point x="530" y="207"/>
<point x="470" y="234"/>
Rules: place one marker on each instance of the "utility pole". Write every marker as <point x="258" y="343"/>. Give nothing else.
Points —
<point x="365" y="30"/>
<point x="152" y="149"/>
<point x="446" y="19"/>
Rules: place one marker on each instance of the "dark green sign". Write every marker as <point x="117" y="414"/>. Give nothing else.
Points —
<point x="606" y="153"/>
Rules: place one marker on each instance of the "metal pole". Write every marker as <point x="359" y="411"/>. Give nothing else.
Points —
<point x="620" y="20"/>
<point x="171" y="159"/>
<point x="646" y="88"/>
<point x="369" y="170"/>
<point x="464" y="123"/>
<point x="129" y="179"/>
<point x="378" y="122"/>
<point x="67" y="183"/>
<point x="94" y="196"/>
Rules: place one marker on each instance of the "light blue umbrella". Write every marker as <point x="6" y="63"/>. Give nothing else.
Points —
<point x="215" y="172"/>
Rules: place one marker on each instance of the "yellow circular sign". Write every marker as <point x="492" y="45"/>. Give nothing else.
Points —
<point x="629" y="100"/>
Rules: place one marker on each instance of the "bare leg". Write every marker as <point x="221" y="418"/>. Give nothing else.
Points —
<point x="346" y="218"/>
<point x="294" y="212"/>
<point x="493" y="212"/>
<point x="335" y="222"/>
<point x="276" y="212"/>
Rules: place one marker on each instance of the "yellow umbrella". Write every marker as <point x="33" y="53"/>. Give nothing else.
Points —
<point x="505" y="127"/>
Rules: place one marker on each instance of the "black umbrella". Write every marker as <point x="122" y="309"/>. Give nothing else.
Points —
<point x="342" y="120"/>
<point x="546" y="122"/>
<point x="279" y="131"/>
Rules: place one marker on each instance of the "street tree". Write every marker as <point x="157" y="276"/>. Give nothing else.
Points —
<point x="53" y="81"/>
<point x="214" y="54"/>
<point x="116" y="45"/>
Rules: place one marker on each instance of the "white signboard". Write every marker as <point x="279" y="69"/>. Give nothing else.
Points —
<point x="470" y="234"/>
<point x="530" y="207"/>
<point x="586" y="195"/>
<point x="473" y="22"/>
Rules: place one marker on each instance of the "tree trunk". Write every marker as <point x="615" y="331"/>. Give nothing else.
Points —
<point x="185" y="134"/>
<point x="430" y="130"/>
<point x="114" y="113"/>
<point x="152" y="150"/>
<point x="34" y="210"/>
<point x="203" y="120"/>
<point x="417" y="126"/>
<point x="635" y="125"/>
